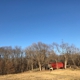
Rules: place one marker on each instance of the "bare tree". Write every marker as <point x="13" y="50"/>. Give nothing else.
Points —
<point x="30" y="55"/>
<point x="40" y="53"/>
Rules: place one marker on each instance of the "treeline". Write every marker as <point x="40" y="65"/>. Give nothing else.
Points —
<point x="38" y="55"/>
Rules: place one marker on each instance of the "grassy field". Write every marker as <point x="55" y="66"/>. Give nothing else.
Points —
<point x="45" y="75"/>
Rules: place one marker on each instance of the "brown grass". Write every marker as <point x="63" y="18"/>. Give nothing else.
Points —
<point x="45" y="75"/>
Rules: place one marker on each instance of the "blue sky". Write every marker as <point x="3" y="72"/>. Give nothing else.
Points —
<point x="23" y="22"/>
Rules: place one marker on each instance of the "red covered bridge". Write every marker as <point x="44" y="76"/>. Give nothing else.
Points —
<point x="55" y="65"/>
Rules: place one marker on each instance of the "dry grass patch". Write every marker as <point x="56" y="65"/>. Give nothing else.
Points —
<point x="45" y="75"/>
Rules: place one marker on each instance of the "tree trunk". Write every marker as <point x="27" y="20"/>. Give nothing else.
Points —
<point x="32" y="67"/>
<point x="56" y="64"/>
<point x="65" y="62"/>
<point x="39" y="66"/>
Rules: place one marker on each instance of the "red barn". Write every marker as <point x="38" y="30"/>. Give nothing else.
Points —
<point x="55" y="65"/>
